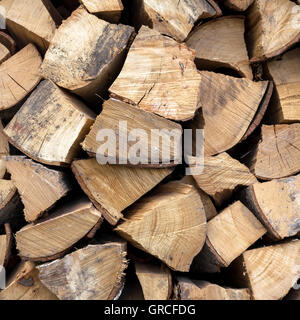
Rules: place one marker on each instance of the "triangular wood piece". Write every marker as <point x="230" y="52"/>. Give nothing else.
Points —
<point x="92" y="273"/>
<point x="229" y="106"/>
<point x="220" y="175"/>
<point x="5" y="245"/>
<point x="113" y="188"/>
<point x="24" y="284"/>
<point x="50" y="125"/>
<point x="122" y="118"/>
<point x="155" y="280"/>
<point x="277" y="155"/>
<point x="39" y="187"/>
<point x="238" y="5"/>
<point x="170" y="224"/>
<point x="220" y="43"/>
<point x="64" y="227"/>
<point x="86" y="54"/>
<point x="273" y="28"/>
<point x="273" y="270"/>
<point x="159" y="75"/>
<point x="19" y="75"/>
<point x="277" y="204"/>
<point x="174" y="18"/>
<point x="187" y="289"/>
<point x="31" y="22"/>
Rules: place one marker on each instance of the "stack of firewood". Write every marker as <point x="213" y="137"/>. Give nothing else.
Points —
<point x="222" y="224"/>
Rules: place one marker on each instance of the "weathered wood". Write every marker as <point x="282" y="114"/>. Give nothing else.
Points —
<point x="238" y="5"/>
<point x="86" y="54"/>
<point x="157" y="136"/>
<point x="187" y="289"/>
<point x="19" y="75"/>
<point x="113" y="188"/>
<point x="173" y="18"/>
<point x="50" y="125"/>
<point x="92" y="273"/>
<point x="4" y="151"/>
<point x="5" y="245"/>
<point x="156" y="281"/>
<point x="8" y="42"/>
<point x="24" y="284"/>
<point x="161" y="223"/>
<point x="159" y="75"/>
<point x="220" y="175"/>
<point x="277" y="204"/>
<point x="220" y="43"/>
<point x="48" y="239"/>
<point x="273" y="28"/>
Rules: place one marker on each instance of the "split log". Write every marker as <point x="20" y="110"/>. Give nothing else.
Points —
<point x="7" y="46"/>
<point x="51" y="237"/>
<point x="109" y="10"/>
<point x="220" y="43"/>
<point x="156" y="138"/>
<point x="31" y="178"/>
<point x="229" y="106"/>
<point x="277" y="204"/>
<point x="161" y="223"/>
<point x="273" y="270"/>
<point x="132" y="289"/>
<point x="156" y="281"/>
<point x="113" y="188"/>
<point x="4" y="151"/>
<point x="19" y="76"/>
<point x="86" y="54"/>
<point x="229" y="234"/>
<point x="24" y="284"/>
<point x="159" y="75"/>
<point x="188" y="289"/>
<point x="50" y="125"/>
<point x="5" y="245"/>
<point x="238" y="5"/>
<point x="220" y="175"/>
<point x="92" y="273"/>
<point x="273" y="28"/>
<point x="277" y="155"/>
<point x="173" y="18"/>
<point x="286" y="75"/>
<point x="32" y="21"/>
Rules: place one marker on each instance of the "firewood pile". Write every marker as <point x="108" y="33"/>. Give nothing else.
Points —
<point x="150" y="149"/>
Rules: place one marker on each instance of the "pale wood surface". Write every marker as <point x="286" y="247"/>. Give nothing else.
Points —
<point x="5" y="245"/>
<point x="238" y="5"/>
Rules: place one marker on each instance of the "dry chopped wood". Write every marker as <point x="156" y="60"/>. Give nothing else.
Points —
<point x="161" y="223"/>
<point x="220" y="43"/>
<point x="113" y="188"/>
<point x="87" y="60"/>
<point x="156" y="281"/>
<point x="62" y="229"/>
<point x="156" y="136"/>
<point x="238" y="5"/>
<point x="94" y="272"/>
<point x="187" y="289"/>
<point x="276" y="204"/>
<point x="5" y="245"/>
<point x="159" y="75"/>
<point x="50" y="125"/>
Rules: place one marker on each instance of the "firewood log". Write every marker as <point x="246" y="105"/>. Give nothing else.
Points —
<point x="31" y="178"/>
<point x="277" y="154"/>
<point x="50" y="125"/>
<point x="156" y="136"/>
<point x="5" y="245"/>
<point x="159" y="75"/>
<point x="24" y="284"/>
<point x="161" y="223"/>
<point x="238" y="5"/>
<point x="4" y="151"/>
<point x="32" y="21"/>
<point x="174" y="18"/>
<point x="109" y="10"/>
<point x="220" y="175"/>
<point x="94" y="272"/>
<point x="188" y="289"/>
<point x="272" y="28"/>
<point x="229" y="234"/>
<point x="155" y="280"/>
<point x="113" y="188"/>
<point x="51" y="237"/>
<point x="19" y="76"/>
<point x="7" y="46"/>
<point x="220" y="43"/>
<point x="98" y="50"/>
<point x="277" y="204"/>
